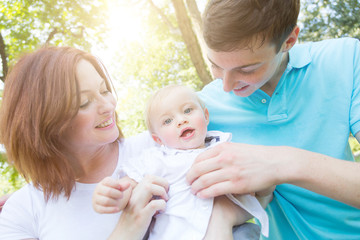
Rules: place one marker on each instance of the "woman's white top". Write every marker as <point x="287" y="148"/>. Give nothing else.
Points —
<point x="27" y="215"/>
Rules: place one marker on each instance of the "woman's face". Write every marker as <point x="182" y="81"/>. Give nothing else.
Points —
<point x="94" y="124"/>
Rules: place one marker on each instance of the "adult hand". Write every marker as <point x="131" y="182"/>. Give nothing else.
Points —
<point x="148" y="198"/>
<point x="235" y="168"/>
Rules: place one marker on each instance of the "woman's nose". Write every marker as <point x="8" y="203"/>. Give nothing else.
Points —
<point x="106" y="104"/>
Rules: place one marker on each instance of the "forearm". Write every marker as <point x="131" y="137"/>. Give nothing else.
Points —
<point x="125" y="231"/>
<point x="334" y="178"/>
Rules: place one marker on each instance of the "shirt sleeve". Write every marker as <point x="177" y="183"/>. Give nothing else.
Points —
<point x="355" y="101"/>
<point x="17" y="220"/>
<point x="134" y="168"/>
<point x="133" y="146"/>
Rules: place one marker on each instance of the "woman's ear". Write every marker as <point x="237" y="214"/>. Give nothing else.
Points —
<point x="156" y="139"/>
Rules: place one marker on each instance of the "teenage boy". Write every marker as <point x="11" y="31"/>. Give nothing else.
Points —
<point x="290" y="108"/>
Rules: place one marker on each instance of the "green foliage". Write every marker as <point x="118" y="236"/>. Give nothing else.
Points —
<point x="329" y="19"/>
<point x="10" y="180"/>
<point x="27" y="25"/>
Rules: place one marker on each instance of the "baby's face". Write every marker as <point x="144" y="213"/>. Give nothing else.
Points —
<point x="179" y="121"/>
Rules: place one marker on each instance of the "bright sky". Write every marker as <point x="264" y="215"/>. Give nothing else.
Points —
<point x="125" y="24"/>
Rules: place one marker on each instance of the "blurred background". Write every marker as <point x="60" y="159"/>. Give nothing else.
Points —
<point x="145" y="44"/>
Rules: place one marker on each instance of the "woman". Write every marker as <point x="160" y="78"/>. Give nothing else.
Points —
<point x="58" y="125"/>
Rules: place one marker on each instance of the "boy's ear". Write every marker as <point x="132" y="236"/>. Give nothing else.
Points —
<point x="206" y="113"/>
<point x="291" y="40"/>
<point x="156" y="139"/>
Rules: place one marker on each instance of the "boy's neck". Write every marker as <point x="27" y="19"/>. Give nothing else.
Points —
<point x="270" y="86"/>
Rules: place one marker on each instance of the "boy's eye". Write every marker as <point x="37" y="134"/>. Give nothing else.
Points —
<point x="167" y="121"/>
<point x="246" y="72"/>
<point x="188" y="110"/>
<point x="215" y="66"/>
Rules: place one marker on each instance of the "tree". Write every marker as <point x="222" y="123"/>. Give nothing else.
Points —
<point x="27" y="25"/>
<point x="330" y="19"/>
<point x="190" y="30"/>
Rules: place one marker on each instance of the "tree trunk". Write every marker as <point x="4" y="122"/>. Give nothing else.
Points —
<point x="197" y="26"/>
<point x="3" y="58"/>
<point x="191" y="41"/>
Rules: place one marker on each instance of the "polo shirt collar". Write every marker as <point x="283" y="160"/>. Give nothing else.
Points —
<point x="299" y="56"/>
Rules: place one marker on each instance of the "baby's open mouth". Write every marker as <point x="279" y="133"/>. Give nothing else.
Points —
<point x="187" y="133"/>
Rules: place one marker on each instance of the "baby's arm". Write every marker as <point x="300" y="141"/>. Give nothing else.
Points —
<point x="112" y="195"/>
<point x="224" y="216"/>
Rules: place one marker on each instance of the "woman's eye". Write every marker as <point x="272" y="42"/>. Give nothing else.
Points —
<point x="104" y="92"/>
<point x="188" y="110"/>
<point x="84" y="105"/>
<point x="167" y="121"/>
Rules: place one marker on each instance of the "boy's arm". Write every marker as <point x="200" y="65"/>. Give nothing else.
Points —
<point x="112" y="195"/>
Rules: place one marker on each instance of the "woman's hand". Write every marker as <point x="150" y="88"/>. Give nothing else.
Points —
<point x="148" y="198"/>
<point x="112" y="195"/>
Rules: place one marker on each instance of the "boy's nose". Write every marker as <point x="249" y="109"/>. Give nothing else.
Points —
<point x="228" y="82"/>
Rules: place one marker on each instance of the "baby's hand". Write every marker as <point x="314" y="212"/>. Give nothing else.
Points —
<point x="112" y="195"/>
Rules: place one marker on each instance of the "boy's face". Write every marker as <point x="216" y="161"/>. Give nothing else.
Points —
<point x="178" y="121"/>
<point x="244" y="71"/>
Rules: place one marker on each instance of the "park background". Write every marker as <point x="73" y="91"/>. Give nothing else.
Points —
<point x="145" y="44"/>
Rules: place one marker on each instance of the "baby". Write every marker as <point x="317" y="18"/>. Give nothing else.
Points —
<point x="177" y="120"/>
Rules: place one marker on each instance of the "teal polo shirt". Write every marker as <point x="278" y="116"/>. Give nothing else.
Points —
<point x="315" y="106"/>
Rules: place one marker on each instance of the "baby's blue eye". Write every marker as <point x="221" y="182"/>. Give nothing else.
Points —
<point x="167" y="121"/>
<point x="188" y="110"/>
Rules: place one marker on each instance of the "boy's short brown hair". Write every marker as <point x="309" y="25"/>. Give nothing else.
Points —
<point x="235" y="24"/>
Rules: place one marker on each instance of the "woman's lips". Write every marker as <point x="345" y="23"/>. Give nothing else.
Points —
<point x="106" y="123"/>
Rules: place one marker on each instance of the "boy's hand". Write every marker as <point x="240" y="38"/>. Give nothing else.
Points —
<point x="112" y="195"/>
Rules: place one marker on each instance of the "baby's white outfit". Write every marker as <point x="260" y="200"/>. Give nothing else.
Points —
<point x="186" y="216"/>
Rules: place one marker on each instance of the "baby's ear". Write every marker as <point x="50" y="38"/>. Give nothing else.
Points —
<point x="156" y="139"/>
<point x="206" y="113"/>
